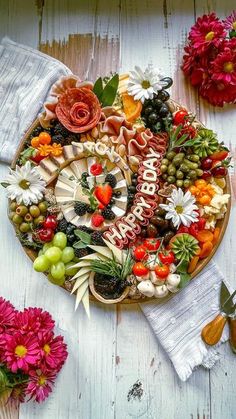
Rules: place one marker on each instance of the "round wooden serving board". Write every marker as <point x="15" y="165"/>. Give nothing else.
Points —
<point x="221" y="223"/>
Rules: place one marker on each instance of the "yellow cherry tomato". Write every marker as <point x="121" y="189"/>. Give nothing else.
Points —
<point x="35" y="142"/>
<point x="44" y="138"/>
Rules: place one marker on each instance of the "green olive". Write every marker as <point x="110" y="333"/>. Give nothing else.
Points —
<point x="190" y="164"/>
<point x="177" y="160"/>
<point x="11" y="214"/>
<point x="171" y="170"/>
<point x="164" y="176"/>
<point x="199" y="172"/>
<point x="165" y="162"/>
<point x="179" y="174"/>
<point x="17" y="219"/>
<point x="39" y="220"/>
<point x="171" y="179"/>
<point x="184" y="168"/>
<point x="13" y="206"/>
<point x="43" y="206"/>
<point x="194" y="158"/>
<point x="21" y="210"/>
<point x="170" y="155"/>
<point x="187" y="183"/>
<point x="179" y="183"/>
<point x="24" y="227"/>
<point x="192" y="174"/>
<point x="28" y="217"/>
<point x="163" y="168"/>
<point x="34" y="211"/>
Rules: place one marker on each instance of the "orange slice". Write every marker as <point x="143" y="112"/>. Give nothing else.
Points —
<point x="132" y="108"/>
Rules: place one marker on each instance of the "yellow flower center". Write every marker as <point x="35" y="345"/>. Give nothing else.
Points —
<point x="179" y="209"/>
<point x="209" y="36"/>
<point x="145" y="84"/>
<point x="24" y="184"/>
<point x="42" y="380"/>
<point x="229" y="67"/>
<point x="47" y="349"/>
<point x="20" y="351"/>
<point x="234" y="25"/>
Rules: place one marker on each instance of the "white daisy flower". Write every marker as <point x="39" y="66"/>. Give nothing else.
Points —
<point x="25" y="185"/>
<point x="143" y="84"/>
<point x="181" y="208"/>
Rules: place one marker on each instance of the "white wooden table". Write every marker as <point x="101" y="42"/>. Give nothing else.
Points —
<point x="113" y="350"/>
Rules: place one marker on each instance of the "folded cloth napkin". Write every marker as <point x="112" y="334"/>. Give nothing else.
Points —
<point x="26" y="76"/>
<point x="177" y="323"/>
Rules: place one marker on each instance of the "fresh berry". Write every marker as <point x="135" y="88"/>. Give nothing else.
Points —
<point x="111" y="179"/>
<point x="103" y="193"/>
<point x="62" y="225"/>
<point x="206" y="174"/>
<point x="139" y="269"/>
<point x="50" y="222"/>
<point x="85" y="229"/>
<point x="97" y="239"/>
<point x="101" y="206"/>
<point x="219" y="172"/>
<point x="108" y="214"/>
<point x="80" y="208"/>
<point x="96" y="169"/>
<point x="206" y="163"/>
<point x="45" y="234"/>
<point x="97" y="219"/>
<point x="79" y="253"/>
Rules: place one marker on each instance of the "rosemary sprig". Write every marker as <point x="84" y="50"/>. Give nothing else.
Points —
<point x="112" y="268"/>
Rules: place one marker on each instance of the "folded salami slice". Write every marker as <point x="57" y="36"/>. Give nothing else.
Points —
<point x="78" y="109"/>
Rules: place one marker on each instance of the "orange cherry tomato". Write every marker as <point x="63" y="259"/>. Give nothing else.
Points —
<point x="35" y="142"/>
<point x="45" y="138"/>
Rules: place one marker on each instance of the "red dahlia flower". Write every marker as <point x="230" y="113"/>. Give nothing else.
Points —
<point x="7" y="314"/>
<point x="224" y="67"/>
<point x="21" y="351"/>
<point x="208" y="31"/>
<point x="53" y="350"/>
<point x="40" y="384"/>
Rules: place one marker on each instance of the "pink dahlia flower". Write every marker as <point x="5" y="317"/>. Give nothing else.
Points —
<point x="33" y="320"/>
<point x="207" y="31"/>
<point x="40" y="384"/>
<point x="53" y="350"/>
<point x="21" y="351"/>
<point x="230" y="22"/>
<point x="224" y="67"/>
<point x="217" y="93"/>
<point x="7" y="314"/>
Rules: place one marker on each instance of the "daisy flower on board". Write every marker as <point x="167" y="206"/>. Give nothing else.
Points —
<point x="181" y="208"/>
<point x="230" y="21"/>
<point x="40" y="383"/>
<point x="53" y="350"/>
<point x="21" y="351"/>
<point x="7" y="314"/>
<point x="143" y="84"/>
<point x="33" y="320"/>
<point x="224" y="67"/>
<point x="25" y="185"/>
<point x="207" y="31"/>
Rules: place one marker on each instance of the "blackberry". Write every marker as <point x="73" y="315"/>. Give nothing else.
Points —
<point x="108" y="214"/>
<point x="90" y="210"/>
<point x="111" y="179"/>
<point x="97" y="239"/>
<point x="62" y="225"/>
<point x="79" y="253"/>
<point x="80" y="208"/>
<point x="85" y="229"/>
<point x="70" y="228"/>
<point x="71" y="239"/>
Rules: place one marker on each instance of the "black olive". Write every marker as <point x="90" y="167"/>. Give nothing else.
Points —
<point x="164" y="95"/>
<point x="132" y="189"/>
<point x="168" y="81"/>
<point x="148" y="110"/>
<point x="164" y="111"/>
<point x="151" y="231"/>
<point x="143" y="232"/>
<point x="160" y="212"/>
<point x="157" y="103"/>
<point x="153" y="118"/>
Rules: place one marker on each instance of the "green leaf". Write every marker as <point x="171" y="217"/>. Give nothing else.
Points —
<point x="182" y="267"/>
<point x="83" y="236"/>
<point x="184" y="279"/>
<point x="181" y="140"/>
<point x="109" y="91"/>
<point x="98" y="88"/>
<point x="79" y="245"/>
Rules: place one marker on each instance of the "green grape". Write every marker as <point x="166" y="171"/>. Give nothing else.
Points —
<point x="60" y="240"/>
<point x="69" y="270"/>
<point x="56" y="281"/>
<point x="40" y="253"/>
<point x="58" y="270"/>
<point x="41" y="263"/>
<point x="53" y="254"/>
<point x="67" y="254"/>
<point x="47" y="246"/>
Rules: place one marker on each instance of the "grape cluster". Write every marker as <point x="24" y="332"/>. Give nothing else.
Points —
<point x="24" y="217"/>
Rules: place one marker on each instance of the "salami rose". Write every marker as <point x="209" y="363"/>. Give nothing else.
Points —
<point x="78" y="109"/>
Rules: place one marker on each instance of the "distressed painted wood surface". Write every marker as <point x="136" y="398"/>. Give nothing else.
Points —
<point x="116" y="349"/>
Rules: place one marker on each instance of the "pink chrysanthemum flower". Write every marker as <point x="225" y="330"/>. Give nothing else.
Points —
<point x="40" y="384"/>
<point x="21" y="351"/>
<point x="224" y="67"/>
<point x="207" y="31"/>
<point x="7" y="314"/>
<point x="217" y="93"/>
<point x="53" y="350"/>
<point x="230" y="21"/>
<point x="33" y="320"/>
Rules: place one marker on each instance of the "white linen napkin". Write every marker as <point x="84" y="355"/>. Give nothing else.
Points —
<point x="177" y="323"/>
<point x="26" y="76"/>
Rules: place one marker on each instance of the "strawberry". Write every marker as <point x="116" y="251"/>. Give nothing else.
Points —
<point x="96" y="169"/>
<point x="97" y="219"/>
<point x="101" y="206"/>
<point x="103" y="193"/>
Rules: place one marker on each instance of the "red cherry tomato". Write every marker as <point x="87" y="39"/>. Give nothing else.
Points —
<point x="152" y="244"/>
<point x="45" y="234"/>
<point x="180" y="117"/>
<point x="140" y="253"/>
<point x="167" y="258"/>
<point x="162" y="271"/>
<point x="139" y="269"/>
<point x="219" y="155"/>
<point x="50" y="222"/>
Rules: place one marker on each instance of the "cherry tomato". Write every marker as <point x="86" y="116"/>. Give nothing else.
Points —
<point x="140" y="253"/>
<point x="219" y="155"/>
<point x="180" y="117"/>
<point x="162" y="271"/>
<point x="45" y="234"/>
<point x="167" y="258"/>
<point x="44" y="138"/>
<point x="219" y="172"/>
<point x="206" y="163"/>
<point x="139" y="269"/>
<point x="50" y="222"/>
<point x="35" y="142"/>
<point x="152" y="244"/>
